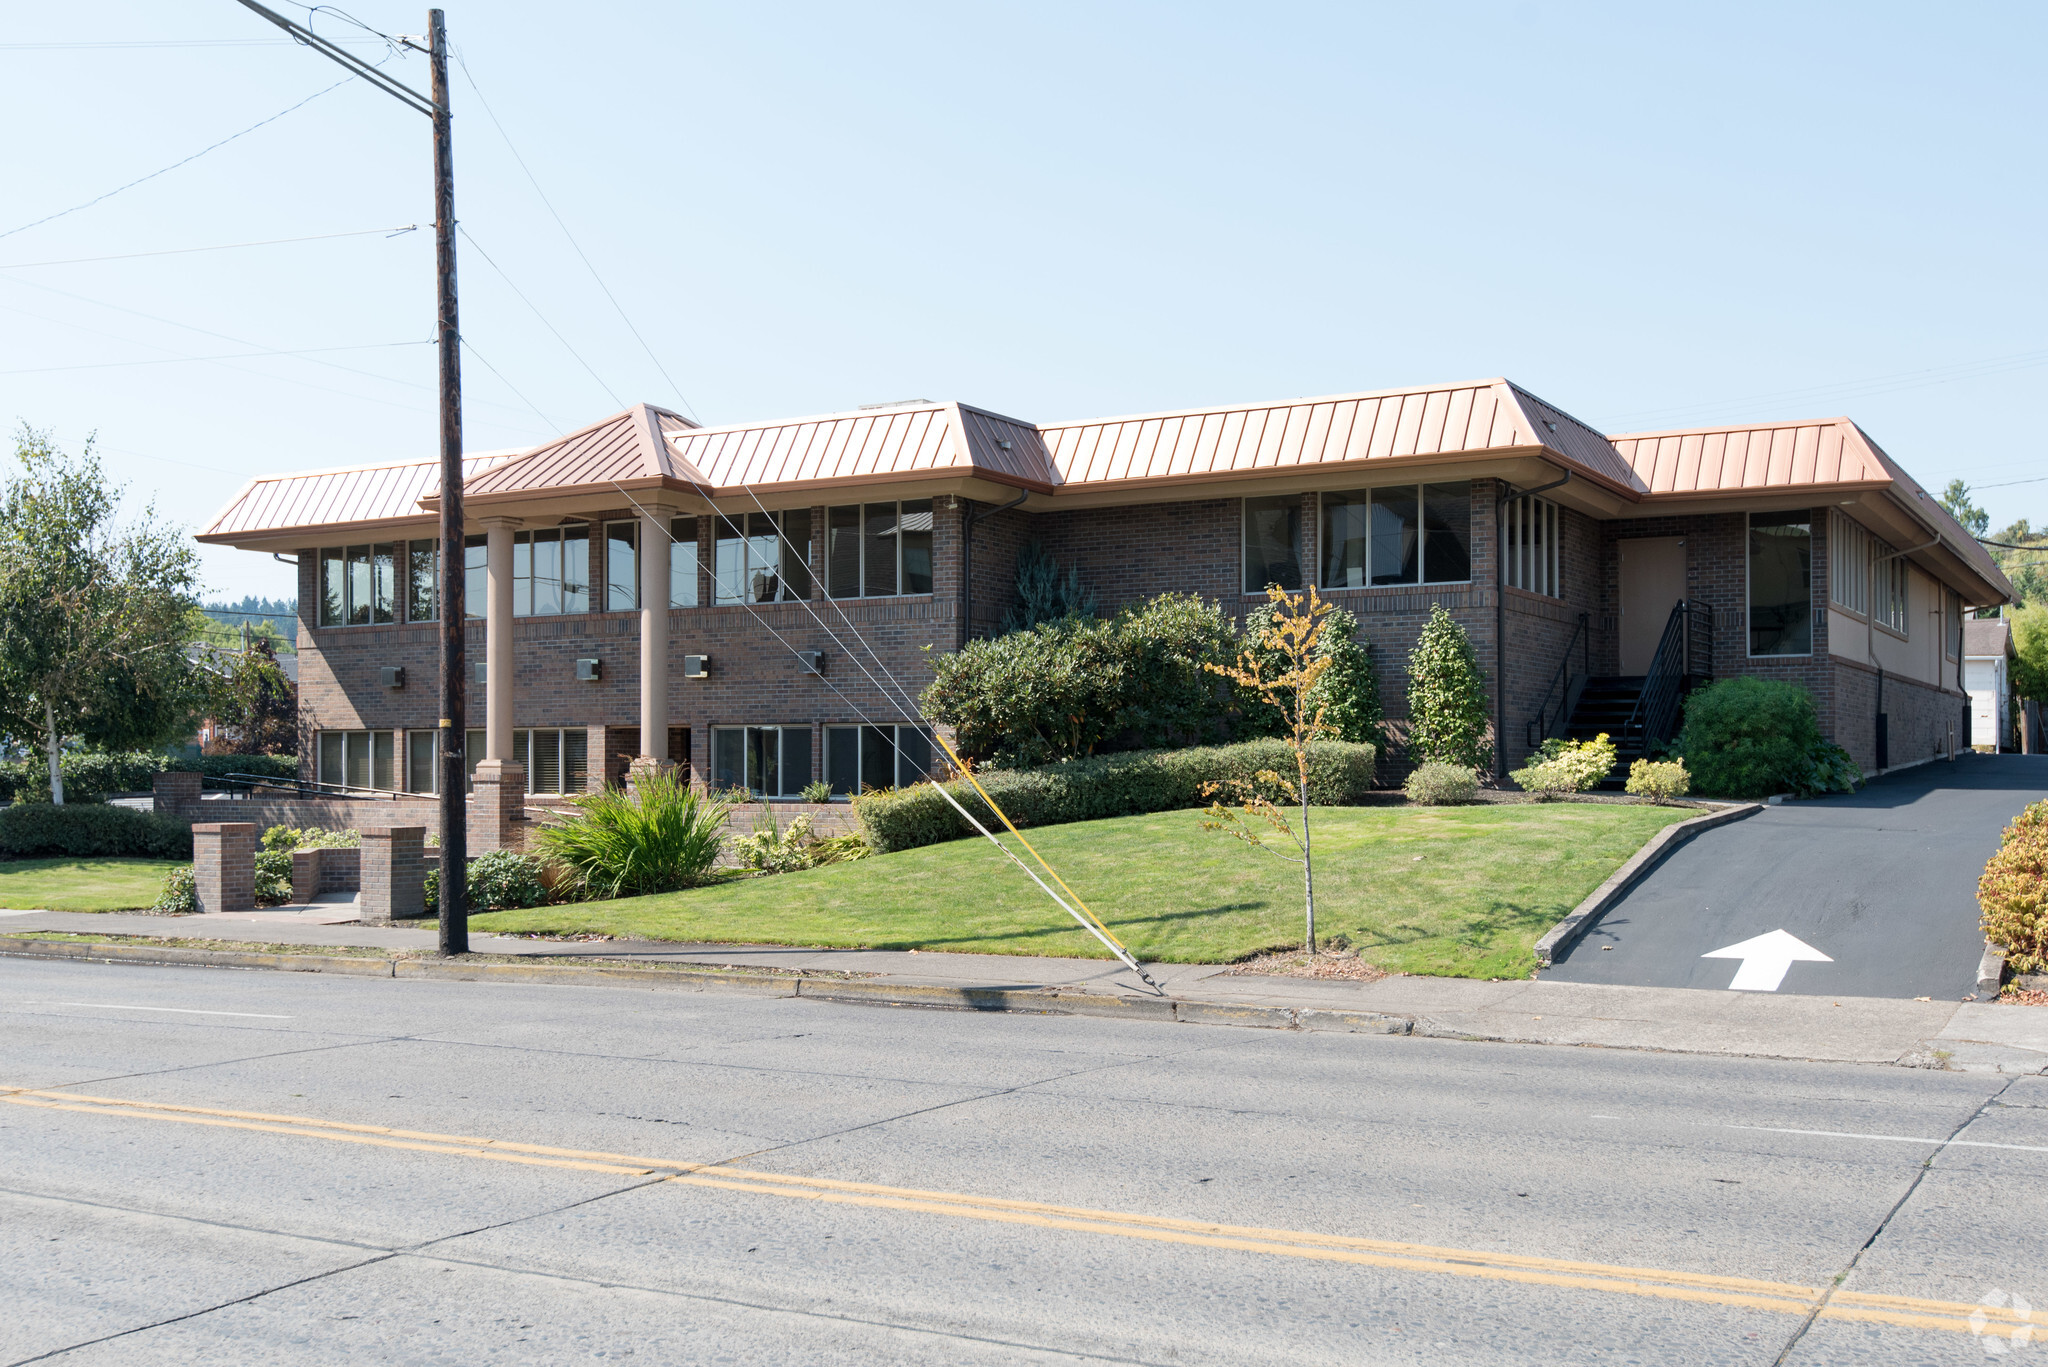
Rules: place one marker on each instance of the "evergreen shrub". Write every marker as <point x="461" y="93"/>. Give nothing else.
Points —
<point x="1751" y="737"/>
<point x="1103" y="786"/>
<point x="1436" y="784"/>
<point x="37" y="830"/>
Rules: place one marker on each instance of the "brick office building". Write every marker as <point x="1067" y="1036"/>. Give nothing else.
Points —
<point x="745" y="600"/>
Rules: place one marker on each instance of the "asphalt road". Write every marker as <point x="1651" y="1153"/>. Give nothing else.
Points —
<point x="214" y="1166"/>
<point x="1882" y="881"/>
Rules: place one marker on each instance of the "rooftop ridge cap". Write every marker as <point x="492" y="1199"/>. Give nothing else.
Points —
<point x="1274" y="403"/>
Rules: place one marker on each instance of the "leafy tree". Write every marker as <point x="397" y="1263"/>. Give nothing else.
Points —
<point x="1348" y="693"/>
<point x="1956" y="498"/>
<point x="1283" y="667"/>
<point x="2027" y="568"/>
<point x="2030" y="649"/>
<point x="1447" y="701"/>
<point x="254" y="707"/>
<point x="92" y="614"/>
<point x="1043" y="593"/>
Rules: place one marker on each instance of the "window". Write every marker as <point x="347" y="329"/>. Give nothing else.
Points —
<point x="1272" y="542"/>
<point x="767" y="761"/>
<point x="682" y="563"/>
<point x="1780" y="584"/>
<point x="879" y="550"/>
<point x="422" y="573"/>
<point x="358" y="585"/>
<point x="1889" y="585"/>
<point x="422" y="762"/>
<point x="551" y="571"/>
<point x="763" y="557"/>
<point x="357" y="759"/>
<point x="1532" y="549"/>
<point x="1951" y="624"/>
<point x="1849" y="556"/>
<point x="1406" y="534"/>
<point x="556" y="760"/>
<point x="476" y="584"/>
<point x="621" y="566"/>
<point x="858" y="758"/>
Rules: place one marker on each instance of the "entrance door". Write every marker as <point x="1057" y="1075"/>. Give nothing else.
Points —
<point x="1652" y="582"/>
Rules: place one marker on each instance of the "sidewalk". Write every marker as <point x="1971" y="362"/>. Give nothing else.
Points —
<point x="1980" y="1036"/>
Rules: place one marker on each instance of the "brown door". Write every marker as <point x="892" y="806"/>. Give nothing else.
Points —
<point x="1652" y="581"/>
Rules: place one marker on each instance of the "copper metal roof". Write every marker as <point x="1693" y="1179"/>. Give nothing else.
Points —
<point x="358" y="494"/>
<point x="903" y="441"/>
<point x="1488" y="415"/>
<point x="1710" y="460"/>
<point x="627" y="448"/>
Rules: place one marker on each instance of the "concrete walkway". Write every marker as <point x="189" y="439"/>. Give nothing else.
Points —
<point x="1985" y="1036"/>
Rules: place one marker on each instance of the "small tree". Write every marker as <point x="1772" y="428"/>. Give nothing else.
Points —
<point x="92" y="616"/>
<point x="1447" y="696"/>
<point x="1043" y="593"/>
<point x="1282" y="668"/>
<point x="1348" y="694"/>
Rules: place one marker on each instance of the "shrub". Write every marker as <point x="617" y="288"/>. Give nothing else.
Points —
<point x="618" y="844"/>
<point x="180" y="894"/>
<point x="1562" y="766"/>
<point x="1347" y="695"/>
<point x="773" y="849"/>
<point x="1659" y="781"/>
<point x="1751" y="737"/>
<point x="498" y="881"/>
<point x="1103" y="786"/>
<point x="2013" y="892"/>
<point x="1447" y="696"/>
<point x="273" y="877"/>
<point x="31" y="830"/>
<point x="289" y="838"/>
<point x="1437" y="784"/>
<point x="1043" y="593"/>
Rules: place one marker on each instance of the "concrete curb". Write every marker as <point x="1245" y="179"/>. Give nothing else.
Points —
<point x="1565" y="933"/>
<point x="1991" y="970"/>
<point x="1044" y="1001"/>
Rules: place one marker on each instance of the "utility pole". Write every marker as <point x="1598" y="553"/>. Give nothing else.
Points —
<point x="454" y="775"/>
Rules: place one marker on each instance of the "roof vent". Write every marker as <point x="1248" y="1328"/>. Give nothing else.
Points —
<point x="1003" y="443"/>
<point x="1549" y="424"/>
<point x="898" y="403"/>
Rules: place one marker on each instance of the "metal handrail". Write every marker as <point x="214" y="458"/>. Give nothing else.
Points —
<point x="1687" y="640"/>
<point x="304" y="787"/>
<point x="1560" y="685"/>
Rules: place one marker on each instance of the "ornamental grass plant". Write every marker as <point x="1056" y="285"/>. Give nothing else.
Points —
<point x="661" y="836"/>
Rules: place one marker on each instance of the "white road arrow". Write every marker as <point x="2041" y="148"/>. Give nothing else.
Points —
<point x="1766" y="959"/>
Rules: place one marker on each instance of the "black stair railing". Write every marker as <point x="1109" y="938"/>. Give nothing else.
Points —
<point x="1549" y="720"/>
<point x="1685" y="657"/>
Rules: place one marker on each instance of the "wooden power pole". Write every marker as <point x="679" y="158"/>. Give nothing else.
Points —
<point x="454" y="771"/>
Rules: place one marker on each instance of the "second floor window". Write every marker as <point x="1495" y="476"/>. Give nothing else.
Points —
<point x="879" y="550"/>
<point x="551" y="571"/>
<point x="359" y="585"/>
<point x="621" y="566"/>
<point x="682" y="563"/>
<point x="763" y="557"/>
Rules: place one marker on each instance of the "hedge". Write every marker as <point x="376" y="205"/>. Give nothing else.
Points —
<point x="89" y="777"/>
<point x="1102" y="786"/>
<point x="37" y="830"/>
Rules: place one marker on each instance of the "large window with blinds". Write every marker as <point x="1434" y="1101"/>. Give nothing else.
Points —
<point x="557" y="760"/>
<point x="879" y="550"/>
<point x="1533" y="560"/>
<point x="763" y="557"/>
<point x="357" y="759"/>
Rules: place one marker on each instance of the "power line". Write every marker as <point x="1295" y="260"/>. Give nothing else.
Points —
<point x="673" y="386"/>
<point x="549" y="422"/>
<point x="159" y="43"/>
<point x="220" y="247"/>
<point x="176" y="164"/>
<point x="230" y="356"/>
<point x="2007" y="484"/>
<point x="538" y="314"/>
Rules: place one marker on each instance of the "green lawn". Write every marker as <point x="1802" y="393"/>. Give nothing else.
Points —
<point x="81" y="884"/>
<point x="1455" y="891"/>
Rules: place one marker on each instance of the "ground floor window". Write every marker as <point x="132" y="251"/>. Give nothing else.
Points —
<point x="422" y="767"/>
<point x="1780" y="584"/>
<point x="556" y="760"/>
<point x="858" y="758"/>
<point x="1532" y="550"/>
<point x="767" y="761"/>
<point x="357" y="759"/>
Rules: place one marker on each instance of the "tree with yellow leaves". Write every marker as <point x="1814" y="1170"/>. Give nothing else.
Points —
<point x="1284" y="679"/>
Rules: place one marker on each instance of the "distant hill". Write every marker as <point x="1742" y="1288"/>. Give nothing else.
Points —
<point x="282" y="615"/>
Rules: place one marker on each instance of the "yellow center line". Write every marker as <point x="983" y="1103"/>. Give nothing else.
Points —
<point x="1700" y="1288"/>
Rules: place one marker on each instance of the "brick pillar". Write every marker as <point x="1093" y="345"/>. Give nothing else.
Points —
<point x="497" y="807"/>
<point x="306" y="874"/>
<point x="224" y="865"/>
<point x="394" y="874"/>
<point x="177" y="795"/>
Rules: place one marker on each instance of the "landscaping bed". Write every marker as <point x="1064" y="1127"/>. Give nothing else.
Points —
<point x="1456" y="891"/>
<point x="81" y="884"/>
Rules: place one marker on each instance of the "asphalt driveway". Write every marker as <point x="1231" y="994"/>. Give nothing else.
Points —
<point x="1882" y="882"/>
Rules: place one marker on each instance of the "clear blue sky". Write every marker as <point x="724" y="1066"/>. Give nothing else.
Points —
<point x="1649" y="216"/>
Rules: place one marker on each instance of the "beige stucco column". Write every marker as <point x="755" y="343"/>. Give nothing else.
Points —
<point x="654" y="572"/>
<point x="498" y="636"/>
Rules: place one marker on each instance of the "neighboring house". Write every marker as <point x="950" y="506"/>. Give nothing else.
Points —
<point x="1987" y="673"/>
<point x="1798" y="551"/>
